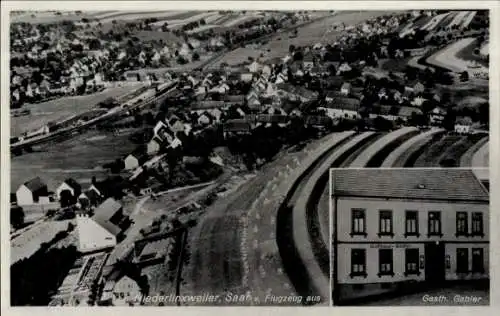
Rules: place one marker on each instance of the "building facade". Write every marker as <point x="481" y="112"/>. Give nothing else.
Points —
<point x="386" y="238"/>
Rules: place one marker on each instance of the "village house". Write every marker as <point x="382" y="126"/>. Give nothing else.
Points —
<point x="343" y="68"/>
<point x="136" y="159"/>
<point x="246" y="76"/>
<point x="308" y="61"/>
<point x="205" y="119"/>
<point x="89" y="198"/>
<point x="318" y="122"/>
<point x="342" y="108"/>
<point x="32" y="192"/>
<point x="237" y="127"/>
<point x="436" y="116"/>
<point x="69" y="185"/>
<point x="154" y="145"/>
<point x="463" y="125"/>
<point x="345" y="89"/>
<point x="421" y="226"/>
<point x="406" y="112"/>
<point x="254" y="67"/>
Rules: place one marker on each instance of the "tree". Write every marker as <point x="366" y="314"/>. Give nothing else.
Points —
<point x="382" y="124"/>
<point x="66" y="198"/>
<point x="196" y="56"/>
<point x="464" y="76"/>
<point x="16" y="216"/>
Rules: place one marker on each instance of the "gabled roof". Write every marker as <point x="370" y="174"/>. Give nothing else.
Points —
<point x="240" y="98"/>
<point x="237" y="125"/>
<point x="463" y="120"/>
<point x="73" y="184"/>
<point x="272" y="118"/>
<point x="140" y="154"/>
<point x="35" y="184"/>
<point x="344" y="104"/>
<point x="346" y="85"/>
<point x="408" y="110"/>
<point x="317" y="120"/>
<point x="438" y="184"/>
<point x="105" y="212"/>
<point x="92" y="195"/>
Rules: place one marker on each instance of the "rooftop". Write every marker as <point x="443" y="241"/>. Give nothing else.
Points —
<point x="423" y="184"/>
<point x="104" y="214"/>
<point x="35" y="184"/>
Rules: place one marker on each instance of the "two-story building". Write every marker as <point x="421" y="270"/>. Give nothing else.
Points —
<point x="393" y="228"/>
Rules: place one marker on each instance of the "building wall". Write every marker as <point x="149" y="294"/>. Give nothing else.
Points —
<point x="153" y="147"/>
<point x="92" y="236"/>
<point x="125" y="290"/>
<point x="372" y="242"/>
<point x="448" y="219"/>
<point x="131" y="162"/>
<point x="62" y="187"/>
<point x="372" y="263"/>
<point x="24" y="196"/>
<point x="451" y="251"/>
<point x="340" y="113"/>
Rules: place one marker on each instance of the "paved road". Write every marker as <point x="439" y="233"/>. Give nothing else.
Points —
<point x="234" y="248"/>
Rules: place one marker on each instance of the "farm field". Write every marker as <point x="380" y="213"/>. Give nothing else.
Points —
<point x="307" y="35"/>
<point x="315" y="32"/>
<point x="395" y="65"/>
<point x="431" y="156"/>
<point x="467" y="53"/>
<point x="447" y="57"/>
<point x="80" y="157"/>
<point x="55" y="110"/>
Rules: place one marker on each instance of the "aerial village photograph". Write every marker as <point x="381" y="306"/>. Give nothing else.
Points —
<point x="182" y="158"/>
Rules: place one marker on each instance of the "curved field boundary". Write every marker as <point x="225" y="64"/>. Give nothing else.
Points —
<point x="301" y="234"/>
<point x="481" y="157"/>
<point x="398" y="157"/>
<point x="371" y="152"/>
<point x="430" y="156"/>
<point x="466" y="159"/>
<point x="293" y="265"/>
<point x="451" y="156"/>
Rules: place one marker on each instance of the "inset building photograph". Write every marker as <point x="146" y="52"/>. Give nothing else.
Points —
<point x="410" y="237"/>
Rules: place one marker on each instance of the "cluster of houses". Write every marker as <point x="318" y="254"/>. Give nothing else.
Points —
<point x="33" y="45"/>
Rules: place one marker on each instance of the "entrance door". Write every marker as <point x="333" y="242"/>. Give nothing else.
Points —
<point x="434" y="262"/>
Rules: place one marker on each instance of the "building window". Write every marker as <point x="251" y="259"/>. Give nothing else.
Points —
<point x="462" y="260"/>
<point x="385" y="262"/>
<point x="358" y="222"/>
<point x="411" y="261"/>
<point x="385" y="223"/>
<point x="477" y="224"/>
<point x="434" y="224"/>
<point x="462" y="225"/>
<point x="477" y="260"/>
<point x="358" y="262"/>
<point x="411" y="224"/>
